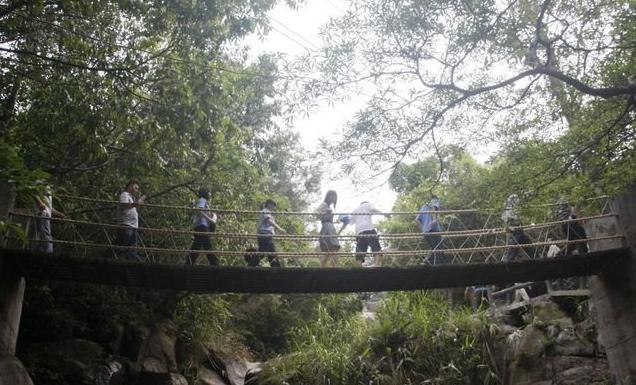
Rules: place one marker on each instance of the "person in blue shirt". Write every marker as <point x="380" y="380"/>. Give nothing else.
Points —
<point x="428" y="223"/>
<point x="204" y="222"/>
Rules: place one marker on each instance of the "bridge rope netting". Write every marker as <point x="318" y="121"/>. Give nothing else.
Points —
<point x="165" y="234"/>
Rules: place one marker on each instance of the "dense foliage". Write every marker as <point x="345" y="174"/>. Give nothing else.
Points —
<point x="416" y="338"/>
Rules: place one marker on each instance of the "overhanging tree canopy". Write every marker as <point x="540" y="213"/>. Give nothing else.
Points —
<point x="473" y="73"/>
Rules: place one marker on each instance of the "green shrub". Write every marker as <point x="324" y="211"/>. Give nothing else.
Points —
<point x="416" y="338"/>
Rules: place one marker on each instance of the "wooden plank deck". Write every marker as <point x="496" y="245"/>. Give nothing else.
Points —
<point x="208" y="279"/>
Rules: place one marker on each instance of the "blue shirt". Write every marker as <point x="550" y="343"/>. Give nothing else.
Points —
<point x="428" y="220"/>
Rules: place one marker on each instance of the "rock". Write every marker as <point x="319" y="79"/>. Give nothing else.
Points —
<point x="532" y="343"/>
<point x="76" y="361"/>
<point x="207" y="376"/>
<point x="111" y="373"/>
<point x="552" y="331"/>
<point x="150" y="378"/>
<point x="131" y="340"/>
<point x="12" y="372"/>
<point x="502" y="329"/>
<point x="253" y="370"/>
<point x="157" y="352"/>
<point x="527" y="354"/>
<point x="568" y="343"/>
<point x="548" y="313"/>
<point x="580" y="370"/>
<point x="73" y="361"/>
<point x="236" y="371"/>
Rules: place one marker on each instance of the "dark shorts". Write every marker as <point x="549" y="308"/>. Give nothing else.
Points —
<point x="363" y="243"/>
<point x="266" y="245"/>
<point x="202" y="242"/>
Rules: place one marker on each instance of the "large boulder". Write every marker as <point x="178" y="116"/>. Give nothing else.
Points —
<point x="157" y="352"/>
<point x="546" y="312"/>
<point x="526" y="356"/>
<point x="224" y="363"/>
<point x="569" y="343"/>
<point x="12" y="372"/>
<point x="74" y="361"/>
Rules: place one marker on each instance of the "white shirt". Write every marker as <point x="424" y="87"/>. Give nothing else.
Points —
<point x="363" y="222"/>
<point x="127" y="216"/>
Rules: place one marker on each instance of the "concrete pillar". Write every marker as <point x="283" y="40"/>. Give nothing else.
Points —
<point x="11" y="287"/>
<point x="614" y="291"/>
<point x="11" y="296"/>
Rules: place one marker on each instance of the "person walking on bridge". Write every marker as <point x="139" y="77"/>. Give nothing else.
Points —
<point x="128" y="219"/>
<point x="428" y="222"/>
<point x="514" y="234"/>
<point x="366" y="234"/>
<point x="45" y="210"/>
<point x="329" y="244"/>
<point x="204" y="222"/>
<point x="266" y="228"/>
<point x="572" y="230"/>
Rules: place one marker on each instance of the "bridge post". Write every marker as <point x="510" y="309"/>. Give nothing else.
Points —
<point x="613" y="292"/>
<point x="11" y="296"/>
<point x="11" y="285"/>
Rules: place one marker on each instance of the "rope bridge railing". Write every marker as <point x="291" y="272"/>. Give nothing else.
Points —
<point x="462" y="244"/>
<point x="448" y="234"/>
<point x="217" y="210"/>
<point x="304" y="254"/>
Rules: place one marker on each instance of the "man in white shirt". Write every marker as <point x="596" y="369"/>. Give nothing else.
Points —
<point x="366" y="234"/>
<point x="128" y="219"/>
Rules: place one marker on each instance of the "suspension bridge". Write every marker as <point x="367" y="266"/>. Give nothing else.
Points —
<point x="84" y="252"/>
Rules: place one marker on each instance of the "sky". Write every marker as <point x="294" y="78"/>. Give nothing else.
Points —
<point x="293" y="33"/>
